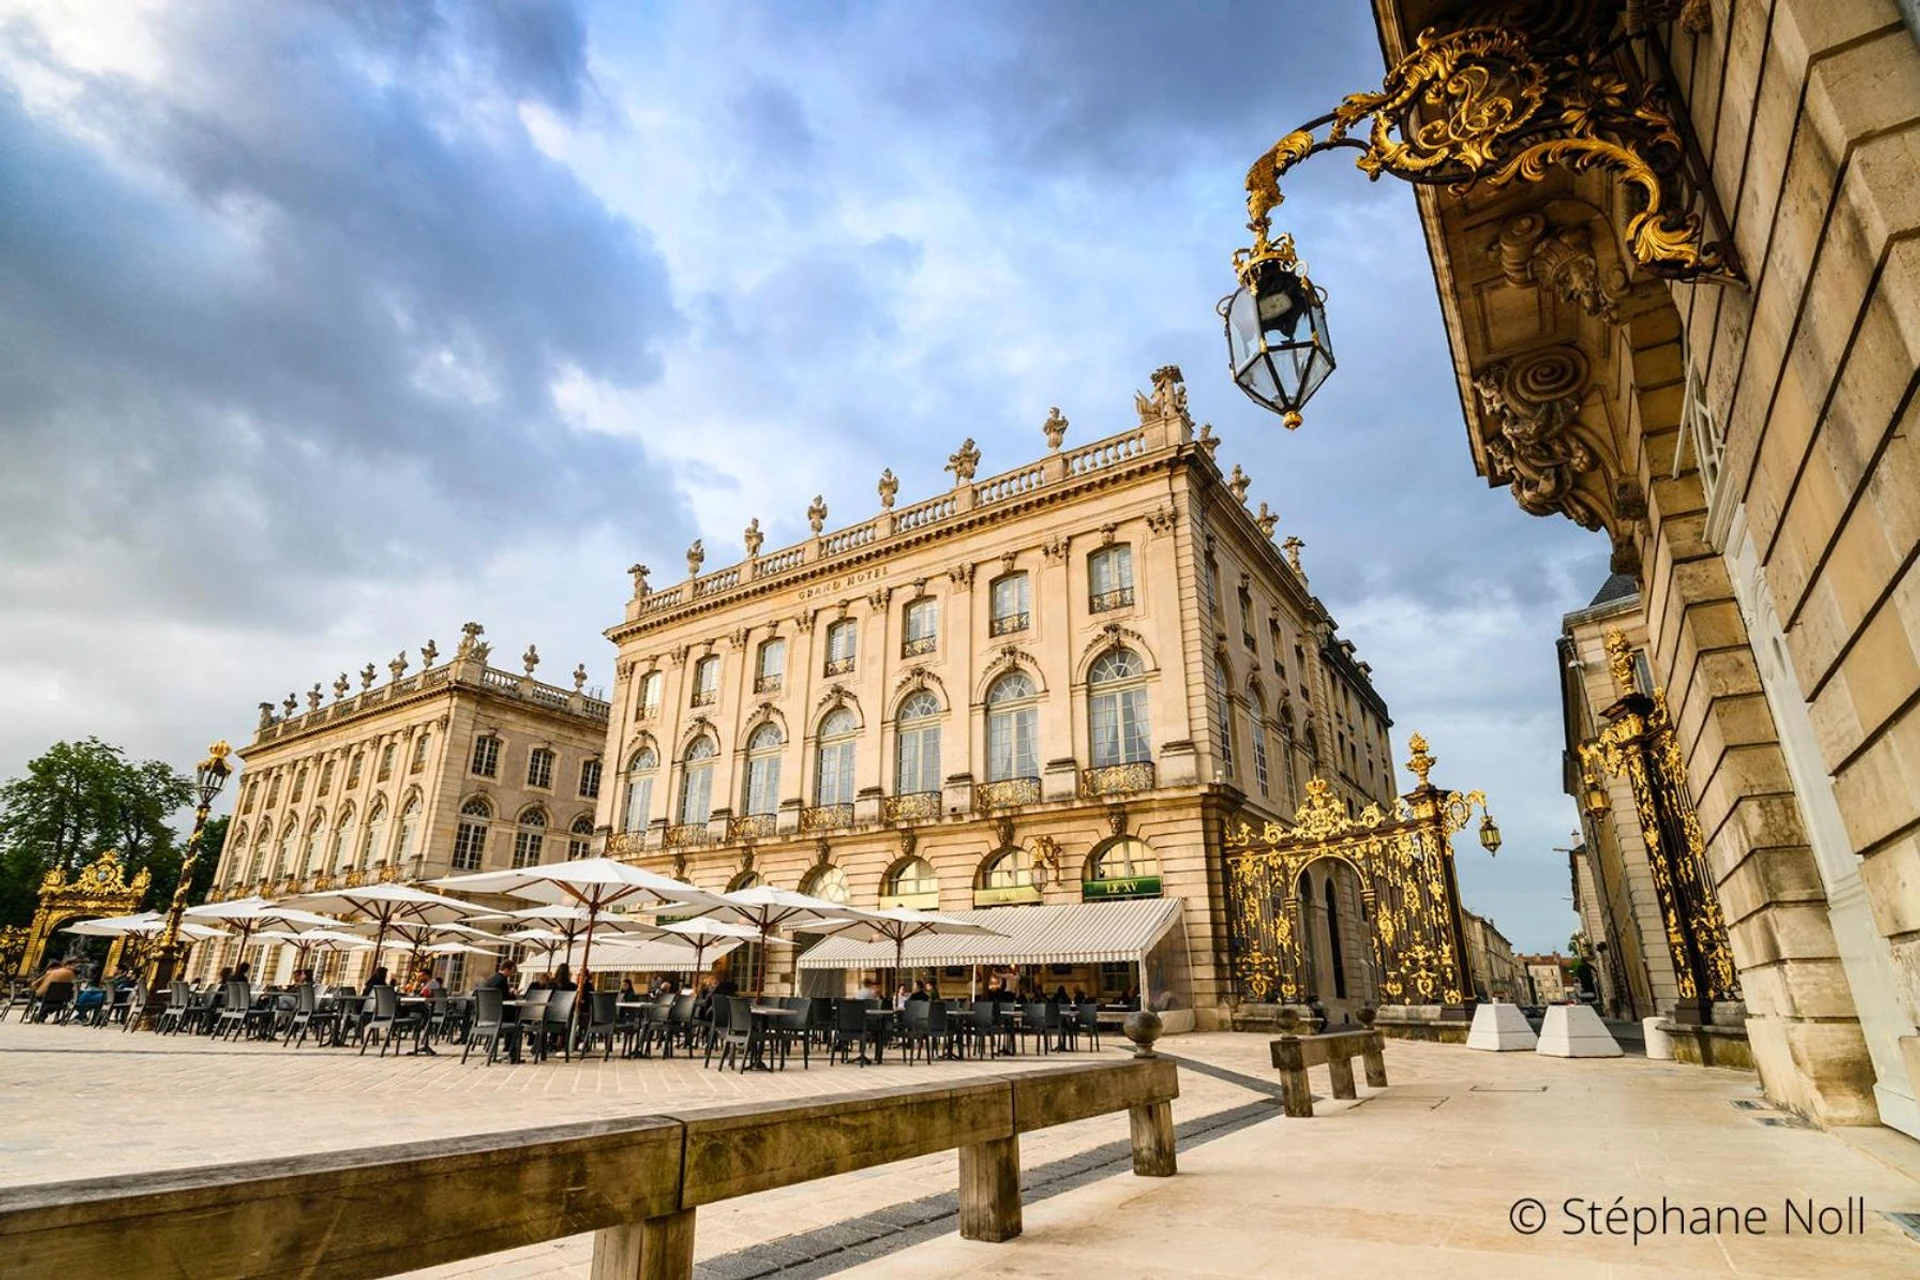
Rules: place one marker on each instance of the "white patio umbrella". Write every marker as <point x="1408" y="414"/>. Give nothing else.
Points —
<point x="593" y="884"/>
<point x="897" y="924"/>
<point x="383" y="906"/>
<point x="701" y="933"/>
<point x="454" y="949"/>
<point x="304" y="944"/>
<point x="765" y="908"/>
<point x="246" y="915"/>
<point x="143" y="924"/>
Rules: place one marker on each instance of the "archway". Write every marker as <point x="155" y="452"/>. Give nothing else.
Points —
<point x="101" y="889"/>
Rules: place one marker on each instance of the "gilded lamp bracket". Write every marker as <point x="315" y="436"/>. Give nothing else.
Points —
<point x="1535" y="89"/>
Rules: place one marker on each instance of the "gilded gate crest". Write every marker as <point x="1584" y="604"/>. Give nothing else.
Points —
<point x="1404" y="863"/>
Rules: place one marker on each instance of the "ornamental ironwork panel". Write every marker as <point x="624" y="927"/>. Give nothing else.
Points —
<point x="826" y="817"/>
<point x="1403" y="861"/>
<point x="686" y="833"/>
<point x="918" y="806"/>
<point x="1639" y="744"/>
<point x="1101" y="601"/>
<point x="750" y="826"/>
<point x="1006" y="793"/>
<point x="100" y="889"/>
<point x="1116" y="779"/>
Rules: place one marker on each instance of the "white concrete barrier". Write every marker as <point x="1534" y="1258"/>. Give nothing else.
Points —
<point x="1500" y="1028"/>
<point x="1659" y="1043"/>
<point x="1575" y="1031"/>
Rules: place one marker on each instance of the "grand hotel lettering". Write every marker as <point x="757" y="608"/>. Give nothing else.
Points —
<point x="834" y="586"/>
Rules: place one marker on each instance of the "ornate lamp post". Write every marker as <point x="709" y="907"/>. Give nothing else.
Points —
<point x="208" y="778"/>
<point x="1510" y="94"/>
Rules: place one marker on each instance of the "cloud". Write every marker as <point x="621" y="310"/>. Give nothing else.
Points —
<point x="325" y="327"/>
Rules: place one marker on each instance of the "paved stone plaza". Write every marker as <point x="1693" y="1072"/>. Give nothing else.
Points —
<point x="1417" y="1179"/>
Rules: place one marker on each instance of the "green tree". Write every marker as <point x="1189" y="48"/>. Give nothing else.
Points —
<point x="78" y="799"/>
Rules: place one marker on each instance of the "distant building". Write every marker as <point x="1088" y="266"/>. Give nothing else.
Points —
<point x="1550" y="977"/>
<point x="1052" y="684"/>
<point x="457" y="767"/>
<point x="1497" y="974"/>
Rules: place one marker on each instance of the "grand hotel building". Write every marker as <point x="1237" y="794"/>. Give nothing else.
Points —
<point x="1048" y="685"/>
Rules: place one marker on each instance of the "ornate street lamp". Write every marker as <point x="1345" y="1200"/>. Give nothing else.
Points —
<point x="211" y="775"/>
<point x="1277" y="343"/>
<point x="1512" y="94"/>
<point x="1489" y="835"/>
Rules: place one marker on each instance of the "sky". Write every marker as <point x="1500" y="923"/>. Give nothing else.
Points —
<point x="327" y="327"/>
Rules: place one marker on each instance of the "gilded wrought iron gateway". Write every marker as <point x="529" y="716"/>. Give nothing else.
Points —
<point x="1404" y="863"/>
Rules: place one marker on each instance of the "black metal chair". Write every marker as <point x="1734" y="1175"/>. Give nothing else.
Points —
<point x="603" y="1021"/>
<point x="54" y="1004"/>
<point x="850" y="1028"/>
<point x="1086" y="1022"/>
<point x="305" y="1005"/>
<point x="556" y="1022"/>
<point x="236" y="1004"/>
<point x="716" y="1025"/>
<point x="491" y="1025"/>
<point x="791" y="1028"/>
<point x="387" y="1020"/>
<point x="738" y="1039"/>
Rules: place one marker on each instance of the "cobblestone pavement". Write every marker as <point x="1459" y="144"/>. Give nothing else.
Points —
<point x="1415" y="1179"/>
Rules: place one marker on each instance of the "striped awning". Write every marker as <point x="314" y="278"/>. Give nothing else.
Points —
<point x="1077" y="933"/>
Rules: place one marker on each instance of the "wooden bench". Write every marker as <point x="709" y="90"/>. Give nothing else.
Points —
<point x="1336" y="1050"/>
<point x="635" y="1182"/>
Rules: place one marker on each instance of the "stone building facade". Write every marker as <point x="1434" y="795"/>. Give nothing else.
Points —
<point x="1496" y="973"/>
<point x="1050" y="684"/>
<point x="457" y="767"/>
<point x="1741" y="425"/>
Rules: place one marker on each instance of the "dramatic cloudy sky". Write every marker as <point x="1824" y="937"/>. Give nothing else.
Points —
<point x="327" y="327"/>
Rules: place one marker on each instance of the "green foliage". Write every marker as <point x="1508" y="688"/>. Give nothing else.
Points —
<point x="78" y="799"/>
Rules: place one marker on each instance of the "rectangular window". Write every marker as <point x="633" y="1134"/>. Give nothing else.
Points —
<point x="706" y="681"/>
<point x="1012" y="744"/>
<point x="696" y="794"/>
<point x="420" y="745"/>
<point x="1009" y="604"/>
<point x="540" y="768"/>
<point x="386" y="762"/>
<point x="649" y="703"/>
<point x="1260" y="754"/>
<point x="354" y="768"/>
<point x="834" y="785"/>
<point x="527" y="846"/>
<point x="589" y="779"/>
<point x="1117" y="722"/>
<point x="1246" y="617"/>
<point x="840" y="647"/>
<point x="469" y="844"/>
<point x="1273" y="643"/>
<point x="923" y="620"/>
<point x="771" y="667"/>
<point x="326" y="781"/>
<point x="1210" y="574"/>
<point x="486" y="756"/>
<point x="1110" y="578"/>
<point x="1702" y="431"/>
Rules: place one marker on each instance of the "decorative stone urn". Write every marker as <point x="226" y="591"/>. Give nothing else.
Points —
<point x="1143" y="1027"/>
<point x="1288" y="1018"/>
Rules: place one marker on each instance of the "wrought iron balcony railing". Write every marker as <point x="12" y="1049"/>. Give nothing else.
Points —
<point x="917" y="806"/>
<point x="1116" y="779"/>
<point x="766" y="684"/>
<point x="1119" y="598"/>
<point x="1008" y="623"/>
<point x="750" y="826"/>
<point x="839" y="666"/>
<point x="685" y="834"/>
<point x="1006" y="793"/>
<point x="917" y="645"/>
<point x="826" y="817"/>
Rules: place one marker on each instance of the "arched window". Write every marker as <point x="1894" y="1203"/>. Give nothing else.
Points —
<point x="1013" y="718"/>
<point x="407" y="845"/>
<point x="313" y="857"/>
<point x="1117" y="709"/>
<point x="1260" y="742"/>
<point x="763" y="770"/>
<point x="916" y="755"/>
<point x="1124" y="859"/>
<point x="343" y="839"/>
<point x="257" y="865"/>
<point x="373" y="841"/>
<point x="530" y="837"/>
<point x="1006" y="876"/>
<point x="745" y="880"/>
<point x="696" y="788"/>
<point x="470" y="836"/>
<point x="580" y="843"/>
<point x="833" y="780"/>
<point x="640" y="771"/>
<point x="910" y="883"/>
<point x="283" y="861"/>
<point x="827" y="882"/>
<point x="1223" y="715"/>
